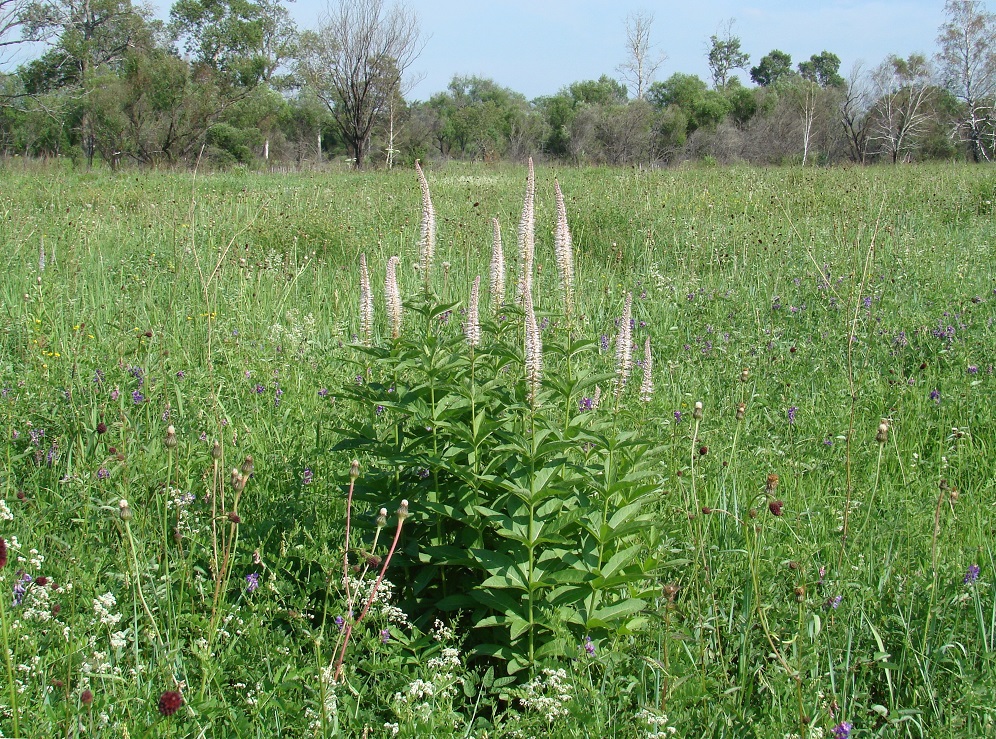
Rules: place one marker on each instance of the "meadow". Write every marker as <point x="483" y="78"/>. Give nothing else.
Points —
<point x="789" y="534"/>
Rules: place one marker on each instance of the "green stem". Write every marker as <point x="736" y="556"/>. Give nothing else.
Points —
<point x="9" y="663"/>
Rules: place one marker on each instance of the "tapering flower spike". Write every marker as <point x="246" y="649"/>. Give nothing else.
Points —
<point x="427" y="234"/>
<point x="472" y="328"/>
<point x="497" y="268"/>
<point x="366" y="304"/>
<point x="624" y="348"/>
<point x="647" y="386"/>
<point x="392" y="296"/>
<point x="533" y="351"/>
<point x="527" y="237"/>
<point x="564" y="250"/>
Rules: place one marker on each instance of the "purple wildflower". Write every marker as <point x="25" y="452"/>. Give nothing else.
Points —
<point x="36" y="436"/>
<point x="136" y="397"/>
<point x="971" y="575"/>
<point x="259" y="389"/>
<point x="385" y="635"/>
<point x="842" y="730"/>
<point x="604" y="342"/>
<point x="340" y="622"/>
<point x="98" y="377"/>
<point x="103" y="474"/>
<point x="20" y="588"/>
<point x="589" y="646"/>
<point x="307" y="477"/>
<point x="972" y="369"/>
<point x="586" y="404"/>
<point x="180" y="375"/>
<point x="835" y="602"/>
<point x="867" y="301"/>
<point x="252" y="582"/>
<point x="791" y="414"/>
<point x="935" y="395"/>
<point x="677" y="416"/>
<point x="323" y="393"/>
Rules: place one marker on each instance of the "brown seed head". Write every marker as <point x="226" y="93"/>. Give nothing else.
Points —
<point x="234" y="517"/>
<point x="882" y="435"/>
<point x="216" y="450"/>
<point x="744" y="374"/>
<point x="741" y="411"/>
<point x="671" y="591"/>
<point x="771" y="483"/>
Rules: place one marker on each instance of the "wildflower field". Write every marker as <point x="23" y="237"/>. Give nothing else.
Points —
<point x="692" y="453"/>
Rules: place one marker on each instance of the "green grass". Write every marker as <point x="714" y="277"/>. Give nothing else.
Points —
<point x="229" y="301"/>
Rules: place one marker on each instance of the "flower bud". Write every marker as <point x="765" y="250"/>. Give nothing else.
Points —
<point x="248" y="465"/>
<point x="883" y="432"/>
<point x="216" y="450"/>
<point x="170" y="437"/>
<point x="800" y="593"/>
<point x="124" y="511"/>
<point x="354" y="470"/>
<point x="697" y="410"/>
<point x="236" y="476"/>
<point x="403" y="511"/>
<point x="382" y="518"/>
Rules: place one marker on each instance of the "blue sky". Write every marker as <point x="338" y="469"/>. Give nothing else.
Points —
<point x="538" y="46"/>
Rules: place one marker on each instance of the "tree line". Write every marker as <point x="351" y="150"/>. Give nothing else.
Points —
<point x="235" y="82"/>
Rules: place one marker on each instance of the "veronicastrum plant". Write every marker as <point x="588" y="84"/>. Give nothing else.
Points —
<point x="530" y="518"/>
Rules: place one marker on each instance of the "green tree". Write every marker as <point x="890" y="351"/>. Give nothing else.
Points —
<point x="773" y="66"/>
<point x="823" y="69"/>
<point x="725" y="55"/>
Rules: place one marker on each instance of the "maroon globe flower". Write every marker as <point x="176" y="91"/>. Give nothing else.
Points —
<point x="86" y="697"/>
<point x="170" y="702"/>
<point x="3" y="552"/>
<point x="775" y="507"/>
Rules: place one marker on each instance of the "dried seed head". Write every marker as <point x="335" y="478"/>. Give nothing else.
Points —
<point x="236" y="475"/>
<point x="752" y="513"/>
<point x="741" y="411"/>
<point x="248" y="465"/>
<point x="800" y="593"/>
<point x="883" y="432"/>
<point x="744" y="374"/>
<point x="953" y="495"/>
<point x="771" y="484"/>
<point x="234" y="517"/>
<point x="671" y="591"/>
<point x="354" y="470"/>
<point x="697" y="410"/>
<point x="216" y="450"/>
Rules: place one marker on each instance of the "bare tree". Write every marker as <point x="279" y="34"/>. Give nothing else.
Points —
<point x="355" y="61"/>
<point x="967" y="62"/>
<point x="11" y="18"/>
<point x="644" y="60"/>
<point x="854" y="106"/>
<point x="903" y="88"/>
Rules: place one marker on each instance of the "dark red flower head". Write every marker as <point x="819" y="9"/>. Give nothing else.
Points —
<point x="775" y="507"/>
<point x="101" y="428"/>
<point x="3" y="552"/>
<point x="170" y="702"/>
<point x="41" y="581"/>
<point x="86" y="697"/>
